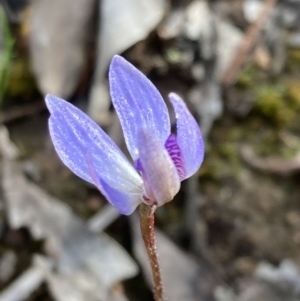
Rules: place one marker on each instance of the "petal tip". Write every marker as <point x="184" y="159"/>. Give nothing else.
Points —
<point x="173" y="94"/>
<point x="175" y="97"/>
<point x="117" y="61"/>
<point x="119" y="65"/>
<point x="49" y="99"/>
<point x="116" y="57"/>
<point x="52" y="102"/>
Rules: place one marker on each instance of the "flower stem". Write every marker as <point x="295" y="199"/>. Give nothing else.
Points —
<point x="147" y="228"/>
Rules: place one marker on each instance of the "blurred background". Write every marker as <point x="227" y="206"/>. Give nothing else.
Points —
<point x="233" y="231"/>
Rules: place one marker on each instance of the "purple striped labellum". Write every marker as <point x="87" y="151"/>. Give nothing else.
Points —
<point x="161" y="159"/>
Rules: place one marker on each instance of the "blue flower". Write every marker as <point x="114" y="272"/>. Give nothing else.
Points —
<point x="161" y="160"/>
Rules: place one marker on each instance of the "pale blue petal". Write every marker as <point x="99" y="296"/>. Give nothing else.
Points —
<point x="189" y="137"/>
<point x="74" y="134"/>
<point x="126" y="203"/>
<point x="138" y="104"/>
<point x="158" y="170"/>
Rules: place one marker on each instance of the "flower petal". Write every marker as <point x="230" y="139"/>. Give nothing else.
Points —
<point x="158" y="170"/>
<point x="189" y="136"/>
<point x="126" y="203"/>
<point x="174" y="151"/>
<point x="138" y="104"/>
<point x="73" y="134"/>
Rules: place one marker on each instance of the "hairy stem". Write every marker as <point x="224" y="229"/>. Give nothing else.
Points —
<point x="147" y="228"/>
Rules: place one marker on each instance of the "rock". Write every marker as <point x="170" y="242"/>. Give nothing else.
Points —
<point x="86" y="264"/>
<point x="172" y="25"/>
<point x="198" y="20"/>
<point x="208" y="104"/>
<point x="229" y="40"/>
<point x="59" y="34"/>
<point x="251" y="9"/>
<point x="202" y="26"/>
<point x="22" y="287"/>
<point x="252" y="290"/>
<point x="8" y="263"/>
<point x="32" y="170"/>
<point x="286" y="276"/>
<point x="224" y="294"/>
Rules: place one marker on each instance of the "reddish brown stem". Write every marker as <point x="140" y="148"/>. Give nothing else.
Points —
<point x="147" y="228"/>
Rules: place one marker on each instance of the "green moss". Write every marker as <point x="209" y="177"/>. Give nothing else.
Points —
<point x="293" y="94"/>
<point x="223" y="161"/>
<point x="228" y="150"/>
<point x="174" y="56"/>
<point x="235" y="133"/>
<point x="288" y="153"/>
<point x="247" y="78"/>
<point x="268" y="144"/>
<point x="293" y="61"/>
<point x="271" y="102"/>
<point x="7" y="44"/>
<point x="20" y="81"/>
<point x="209" y="169"/>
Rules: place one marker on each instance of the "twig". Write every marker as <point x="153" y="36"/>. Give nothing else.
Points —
<point x="21" y="111"/>
<point x="147" y="229"/>
<point x="23" y="286"/>
<point x="275" y="165"/>
<point x="249" y="40"/>
<point x="103" y="218"/>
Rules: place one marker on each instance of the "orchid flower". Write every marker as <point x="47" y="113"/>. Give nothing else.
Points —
<point x="161" y="159"/>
